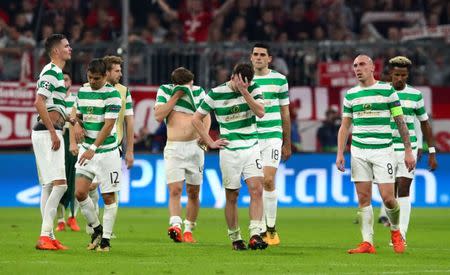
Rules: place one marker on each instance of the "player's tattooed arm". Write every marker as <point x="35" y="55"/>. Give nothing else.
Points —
<point x="403" y="130"/>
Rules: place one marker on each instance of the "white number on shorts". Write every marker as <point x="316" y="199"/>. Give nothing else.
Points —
<point x="390" y="170"/>
<point x="114" y="176"/>
<point x="275" y="154"/>
<point x="258" y="164"/>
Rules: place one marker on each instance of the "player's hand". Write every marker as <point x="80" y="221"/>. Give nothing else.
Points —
<point x="87" y="155"/>
<point x="129" y="159"/>
<point x="286" y="151"/>
<point x="432" y="162"/>
<point x="242" y="84"/>
<point x="56" y="143"/>
<point x="219" y="144"/>
<point x="410" y="161"/>
<point x="419" y="154"/>
<point x="79" y="133"/>
<point x="340" y="163"/>
<point x="73" y="148"/>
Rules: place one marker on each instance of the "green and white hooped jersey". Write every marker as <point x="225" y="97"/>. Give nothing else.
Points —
<point x="51" y="85"/>
<point x="413" y="106"/>
<point x="274" y="87"/>
<point x="236" y="120"/>
<point x="188" y="103"/>
<point x="371" y="109"/>
<point x="70" y="101"/>
<point x="96" y="106"/>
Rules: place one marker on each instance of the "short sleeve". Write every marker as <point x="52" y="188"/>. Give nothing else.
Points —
<point x="207" y="105"/>
<point x="112" y="105"/>
<point x="256" y="93"/>
<point x="394" y="104"/>
<point x="128" y="104"/>
<point x="47" y="83"/>
<point x="420" y="109"/>
<point x="347" y="110"/>
<point x="163" y="95"/>
<point x="284" y="94"/>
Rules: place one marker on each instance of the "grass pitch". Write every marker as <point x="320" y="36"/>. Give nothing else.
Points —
<point x="313" y="241"/>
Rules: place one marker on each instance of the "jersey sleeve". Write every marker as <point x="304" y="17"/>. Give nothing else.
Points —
<point x="347" y="108"/>
<point x="394" y="104"/>
<point x="207" y="105"/>
<point x="112" y="105"/>
<point x="128" y="104"/>
<point x="47" y="83"/>
<point x="256" y="93"/>
<point x="283" y="95"/>
<point x="163" y="95"/>
<point x="420" y="109"/>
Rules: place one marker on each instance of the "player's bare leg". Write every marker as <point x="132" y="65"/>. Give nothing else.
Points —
<point x="231" y="217"/>
<point x="192" y="208"/>
<point x="175" y="221"/>
<point x="255" y="190"/>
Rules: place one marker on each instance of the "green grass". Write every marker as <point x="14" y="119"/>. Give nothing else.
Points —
<point x="314" y="241"/>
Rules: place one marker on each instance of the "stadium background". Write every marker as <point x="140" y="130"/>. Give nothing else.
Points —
<point x="313" y="41"/>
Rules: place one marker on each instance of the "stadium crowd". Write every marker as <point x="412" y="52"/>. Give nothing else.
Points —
<point x="25" y="24"/>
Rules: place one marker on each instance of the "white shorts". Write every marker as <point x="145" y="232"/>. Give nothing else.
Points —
<point x="184" y="160"/>
<point x="104" y="167"/>
<point x="402" y="171"/>
<point x="270" y="151"/>
<point x="245" y="163"/>
<point x="50" y="164"/>
<point x="375" y="165"/>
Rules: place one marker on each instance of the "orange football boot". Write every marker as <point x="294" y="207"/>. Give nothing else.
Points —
<point x="45" y="243"/>
<point x="364" y="247"/>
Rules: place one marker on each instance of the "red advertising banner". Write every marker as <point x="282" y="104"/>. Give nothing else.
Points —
<point x="18" y="115"/>
<point x="340" y="73"/>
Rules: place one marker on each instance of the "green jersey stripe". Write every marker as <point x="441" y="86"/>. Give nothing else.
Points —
<point x="372" y="121"/>
<point x="373" y="135"/>
<point x="371" y="146"/>
<point x="222" y="111"/>
<point x="237" y="124"/>
<point x="268" y="123"/>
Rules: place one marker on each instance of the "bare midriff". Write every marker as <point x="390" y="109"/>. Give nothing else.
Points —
<point x="179" y="127"/>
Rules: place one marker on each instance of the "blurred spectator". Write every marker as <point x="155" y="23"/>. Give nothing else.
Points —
<point x="265" y="29"/>
<point x="12" y="45"/>
<point x="195" y="19"/>
<point x="327" y="133"/>
<point x="155" y="32"/>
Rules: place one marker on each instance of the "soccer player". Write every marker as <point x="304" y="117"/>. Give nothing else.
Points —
<point x="236" y="104"/>
<point x="274" y="133"/>
<point x="98" y="107"/>
<point x="71" y="158"/>
<point x="369" y="106"/>
<point x="413" y="107"/>
<point x="125" y="119"/>
<point x="184" y="158"/>
<point x="47" y="135"/>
